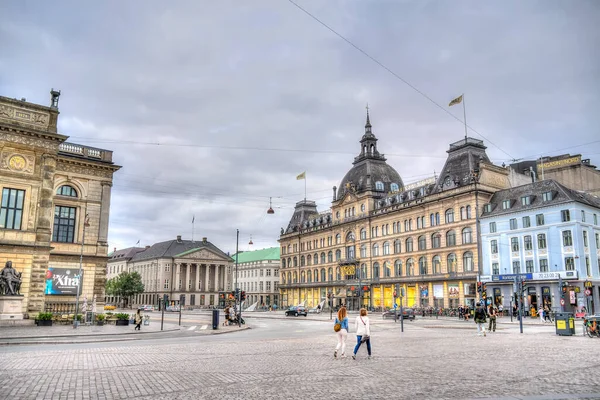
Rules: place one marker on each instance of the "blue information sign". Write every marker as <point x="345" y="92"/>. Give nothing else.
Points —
<point x="511" y="277"/>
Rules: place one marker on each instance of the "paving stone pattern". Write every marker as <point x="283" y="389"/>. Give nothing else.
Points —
<point x="426" y="361"/>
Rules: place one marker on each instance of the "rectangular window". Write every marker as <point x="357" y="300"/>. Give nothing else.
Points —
<point x="276" y="272"/>
<point x="546" y="196"/>
<point x="487" y="208"/>
<point x="516" y="267"/>
<point x="525" y="200"/>
<point x="526" y="222"/>
<point x="595" y="219"/>
<point x="539" y="219"/>
<point x="543" y="265"/>
<point x="513" y="223"/>
<point x="11" y="212"/>
<point x="567" y="238"/>
<point x="166" y="284"/>
<point x="582" y="215"/>
<point x="275" y="286"/>
<point x="494" y="246"/>
<point x="585" y="239"/>
<point x="495" y="269"/>
<point x="268" y="272"/>
<point x="541" y="241"/>
<point x="528" y="243"/>
<point x="506" y="204"/>
<point x="529" y="266"/>
<point x="569" y="264"/>
<point x="565" y="216"/>
<point x="514" y="244"/>
<point x="64" y="224"/>
<point x="262" y="272"/>
<point x="268" y="286"/>
<point x="598" y="241"/>
<point x="588" y="267"/>
<point x="492" y="227"/>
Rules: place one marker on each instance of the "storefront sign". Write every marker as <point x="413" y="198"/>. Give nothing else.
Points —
<point x="536" y="276"/>
<point x="438" y="291"/>
<point x="62" y="281"/>
<point x="572" y="297"/>
<point x="453" y="291"/>
<point x="424" y="291"/>
<point x="559" y="163"/>
<point x="531" y="290"/>
<point x="497" y="292"/>
<point x="587" y="284"/>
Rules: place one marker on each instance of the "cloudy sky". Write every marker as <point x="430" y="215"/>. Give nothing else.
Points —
<point x="213" y="107"/>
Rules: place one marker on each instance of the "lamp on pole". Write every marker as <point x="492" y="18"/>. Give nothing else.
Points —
<point x="86" y="223"/>
<point x="237" y="291"/>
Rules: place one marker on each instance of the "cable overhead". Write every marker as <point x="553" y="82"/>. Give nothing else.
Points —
<point x="395" y="74"/>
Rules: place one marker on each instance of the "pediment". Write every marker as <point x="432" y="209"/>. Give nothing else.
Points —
<point x="204" y="254"/>
<point x="348" y="198"/>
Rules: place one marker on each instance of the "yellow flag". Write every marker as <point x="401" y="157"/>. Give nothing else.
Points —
<point x="457" y="100"/>
<point x="301" y="176"/>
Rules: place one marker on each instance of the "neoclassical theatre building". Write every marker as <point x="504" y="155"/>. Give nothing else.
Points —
<point x="379" y="233"/>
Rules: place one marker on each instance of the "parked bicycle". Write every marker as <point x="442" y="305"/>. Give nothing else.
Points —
<point x="591" y="327"/>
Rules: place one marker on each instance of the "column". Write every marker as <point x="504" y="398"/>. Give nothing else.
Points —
<point x="225" y="280"/>
<point x="177" y="277"/>
<point x="216" y="279"/>
<point x="187" y="277"/>
<point x="206" y="281"/>
<point x="104" y="212"/>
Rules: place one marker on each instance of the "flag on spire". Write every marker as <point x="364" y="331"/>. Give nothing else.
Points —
<point x="301" y="176"/>
<point x="457" y="100"/>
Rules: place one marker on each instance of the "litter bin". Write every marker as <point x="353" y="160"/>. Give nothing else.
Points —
<point x="215" y="319"/>
<point x="564" y="323"/>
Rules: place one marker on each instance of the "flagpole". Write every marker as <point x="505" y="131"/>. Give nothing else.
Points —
<point x="465" y="115"/>
<point x="305" y="187"/>
<point x="193" y="220"/>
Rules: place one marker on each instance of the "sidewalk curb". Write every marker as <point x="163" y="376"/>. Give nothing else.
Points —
<point x="92" y="335"/>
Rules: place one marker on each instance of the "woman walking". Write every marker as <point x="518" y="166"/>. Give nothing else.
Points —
<point x="341" y="328"/>
<point x="138" y="321"/>
<point x="363" y="332"/>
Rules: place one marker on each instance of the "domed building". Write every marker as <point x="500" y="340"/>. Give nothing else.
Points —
<point x="381" y="237"/>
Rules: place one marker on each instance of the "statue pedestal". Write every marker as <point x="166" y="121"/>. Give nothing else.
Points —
<point x="11" y="307"/>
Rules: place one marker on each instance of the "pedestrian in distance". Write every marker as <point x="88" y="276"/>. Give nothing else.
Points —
<point x="363" y="332"/>
<point x="340" y="327"/>
<point x="480" y="319"/>
<point x="492" y="314"/>
<point x="138" y="320"/>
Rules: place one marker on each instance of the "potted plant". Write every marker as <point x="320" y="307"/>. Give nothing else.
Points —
<point x="122" y="318"/>
<point x="44" y="319"/>
<point x="100" y="319"/>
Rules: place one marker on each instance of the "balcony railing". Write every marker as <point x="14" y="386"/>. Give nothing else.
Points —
<point x="85" y="151"/>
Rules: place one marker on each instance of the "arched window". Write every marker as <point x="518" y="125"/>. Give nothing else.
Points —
<point x="432" y="219"/>
<point x="363" y="271"/>
<point x="423" y="266"/>
<point x="330" y="273"/>
<point x="436" y="262"/>
<point x="295" y="261"/>
<point x="468" y="212"/>
<point x="283" y="263"/>
<point x="363" y="234"/>
<point x="330" y="256"/>
<point x="397" y="246"/>
<point x="316" y="274"/>
<point x="450" y="238"/>
<point x="308" y="259"/>
<point x="66" y="190"/>
<point x="467" y="236"/>
<point x="422" y="242"/>
<point x="387" y="269"/>
<point x="289" y="262"/>
<point x="419" y="226"/>
<point x="436" y="240"/>
<point x="363" y="251"/>
<point x="379" y="185"/>
<point x="386" y="248"/>
<point x="338" y="275"/>
<point x="437" y="218"/>
<point x="410" y="267"/>
<point x="409" y="245"/>
<point x="375" y="250"/>
<point x="376" y="270"/>
<point x="394" y="187"/>
<point x="309" y="276"/>
<point x="283" y="278"/>
<point x="398" y="267"/>
<point x="289" y="248"/>
<point x="449" y="215"/>
<point x="323" y="258"/>
<point x="451" y="262"/>
<point x="316" y="258"/>
<point x="323" y="275"/>
<point x="303" y="277"/>
<point x="468" y="261"/>
<point x="302" y="261"/>
<point x="338" y="255"/>
<point x="350" y="237"/>
<point x="295" y="277"/>
<point x="463" y="213"/>
<point x="289" y="277"/>
<point x="338" y="239"/>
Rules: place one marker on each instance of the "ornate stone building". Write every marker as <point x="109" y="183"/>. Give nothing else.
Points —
<point x="51" y="191"/>
<point x="198" y="270"/>
<point x="380" y="232"/>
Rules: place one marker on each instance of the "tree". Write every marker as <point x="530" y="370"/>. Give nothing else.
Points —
<point x="125" y="285"/>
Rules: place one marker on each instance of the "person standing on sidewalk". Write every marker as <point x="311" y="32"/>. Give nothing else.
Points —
<point x="480" y="319"/>
<point x="341" y="322"/>
<point x="492" y="314"/>
<point x="138" y="321"/>
<point x="363" y="332"/>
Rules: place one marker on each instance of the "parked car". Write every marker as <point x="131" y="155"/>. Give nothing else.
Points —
<point x="407" y="313"/>
<point x="295" y="311"/>
<point x="147" y="307"/>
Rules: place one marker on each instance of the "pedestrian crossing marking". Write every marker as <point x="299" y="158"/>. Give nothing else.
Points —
<point x="191" y="328"/>
<point x="204" y="327"/>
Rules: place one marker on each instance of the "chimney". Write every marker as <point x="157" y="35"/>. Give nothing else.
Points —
<point x="204" y="240"/>
<point x="115" y="249"/>
<point x="334" y="191"/>
<point x="147" y="247"/>
<point x="178" y="238"/>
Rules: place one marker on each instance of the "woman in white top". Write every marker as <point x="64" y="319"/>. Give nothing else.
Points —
<point x="363" y="330"/>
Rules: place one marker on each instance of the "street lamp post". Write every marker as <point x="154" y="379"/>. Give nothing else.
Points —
<point x="80" y="283"/>
<point x="237" y="291"/>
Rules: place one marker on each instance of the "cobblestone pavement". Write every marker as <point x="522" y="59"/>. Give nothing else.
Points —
<point x="428" y="360"/>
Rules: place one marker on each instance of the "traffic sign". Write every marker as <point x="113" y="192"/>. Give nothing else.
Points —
<point x="588" y="292"/>
<point x="562" y="302"/>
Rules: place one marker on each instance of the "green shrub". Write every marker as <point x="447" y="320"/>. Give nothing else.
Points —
<point x="79" y="317"/>
<point x="122" y="316"/>
<point x="100" y="317"/>
<point x="44" y="316"/>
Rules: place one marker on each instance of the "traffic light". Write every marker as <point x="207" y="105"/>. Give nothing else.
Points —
<point x="402" y="294"/>
<point x="483" y="290"/>
<point x="166" y="298"/>
<point x="479" y="287"/>
<point x="243" y="296"/>
<point x="396" y="290"/>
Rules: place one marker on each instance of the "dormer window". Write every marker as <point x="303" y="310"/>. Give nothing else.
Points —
<point x="547" y="196"/>
<point x="422" y="192"/>
<point x="394" y="187"/>
<point x="66" y="190"/>
<point x="379" y="186"/>
<point x="487" y="208"/>
<point x="506" y="204"/>
<point x="526" y="200"/>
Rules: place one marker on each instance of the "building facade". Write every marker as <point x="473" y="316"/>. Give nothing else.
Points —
<point x="258" y="276"/>
<point x="544" y="233"/>
<point x="379" y="233"/>
<point x="117" y="264"/>
<point x="55" y="203"/>
<point x="199" y="271"/>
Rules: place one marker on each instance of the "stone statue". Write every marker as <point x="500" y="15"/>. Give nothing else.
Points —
<point x="10" y="280"/>
<point x="282" y="231"/>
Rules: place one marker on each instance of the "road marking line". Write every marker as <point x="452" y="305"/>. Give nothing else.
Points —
<point x="204" y="327"/>
<point x="191" y="328"/>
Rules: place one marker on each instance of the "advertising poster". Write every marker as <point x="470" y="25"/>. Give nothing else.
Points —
<point x="438" y="291"/>
<point x="424" y="291"/>
<point x="453" y="291"/>
<point x="62" y="281"/>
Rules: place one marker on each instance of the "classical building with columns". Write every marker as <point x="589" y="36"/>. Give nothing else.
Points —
<point x="380" y="233"/>
<point x="55" y="203"/>
<point x="196" y="269"/>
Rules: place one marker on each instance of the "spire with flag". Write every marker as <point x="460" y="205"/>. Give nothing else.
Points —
<point x="302" y="176"/>
<point x="458" y="100"/>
